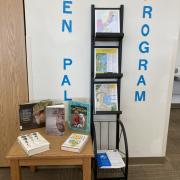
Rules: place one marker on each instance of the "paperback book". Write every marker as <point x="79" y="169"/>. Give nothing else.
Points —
<point x="106" y="60"/>
<point x="107" y="21"/>
<point x="106" y="97"/>
<point x="75" y="142"/>
<point x="33" y="143"/>
<point x="103" y="160"/>
<point x="55" y="119"/>
<point x="32" y="115"/>
<point x="79" y="116"/>
<point x="109" y="159"/>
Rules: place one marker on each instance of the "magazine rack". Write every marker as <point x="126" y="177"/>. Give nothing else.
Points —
<point x="107" y="78"/>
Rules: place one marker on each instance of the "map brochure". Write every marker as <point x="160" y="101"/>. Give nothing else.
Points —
<point x="106" y="60"/>
<point x="106" y="97"/>
<point x="107" y="21"/>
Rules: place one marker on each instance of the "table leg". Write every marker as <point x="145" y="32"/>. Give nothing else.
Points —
<point x="15" y="170"/>
<point x="87" y="169"/>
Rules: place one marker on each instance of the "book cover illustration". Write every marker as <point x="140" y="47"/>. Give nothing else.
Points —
<point x="106" y="60"/>
<point x="32" y="115"/>
<point x="102" y="160"/>
<point x="55" y="119"/>
<point x="75" y="141"/>
<point x="107" y="21"/>
<point x="79" y="116"/>
<point x="106" y="97"/>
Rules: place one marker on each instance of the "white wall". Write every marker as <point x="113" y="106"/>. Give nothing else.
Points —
<point x="178" y="52"/>
<point x="146" y="122"/>
<point x="176" y="84"/>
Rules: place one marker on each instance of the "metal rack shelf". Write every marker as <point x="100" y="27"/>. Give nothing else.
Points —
<point x="108" y="78"/>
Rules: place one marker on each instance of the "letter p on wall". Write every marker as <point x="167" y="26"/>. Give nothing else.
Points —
<point x="67" y="62"/>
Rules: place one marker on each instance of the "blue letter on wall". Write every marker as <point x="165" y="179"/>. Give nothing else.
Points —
<point x="66" y="6"/>
<point x="141" y="80"/>
<point x="145" y="30"/>
<point x="65" y="80"/>
<point x="67" y="62"/>
<point x="143" y="63"/>
<point x="140" y="97"/>
<point x="147" y="10"/>
<point x="67" y="25"/>
<point x="66" y="97"/>
<point x="144" y="47"/>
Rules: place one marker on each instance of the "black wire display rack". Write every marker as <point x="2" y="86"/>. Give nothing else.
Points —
<point x="121" y="140"/>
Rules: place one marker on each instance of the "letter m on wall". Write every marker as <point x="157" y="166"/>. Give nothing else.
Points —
<point x="140" y="96"/>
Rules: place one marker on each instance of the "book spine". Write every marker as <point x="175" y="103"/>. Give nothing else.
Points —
<point x="24" y="148"/>
<point x="20" y="118"/>
<point x="69" y="149"/>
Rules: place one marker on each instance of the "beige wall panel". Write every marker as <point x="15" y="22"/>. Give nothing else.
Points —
<point x="13" y="72"/>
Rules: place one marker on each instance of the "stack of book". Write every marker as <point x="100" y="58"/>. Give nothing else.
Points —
<point x="75" y="142"/>
<point x="33" y="143"/>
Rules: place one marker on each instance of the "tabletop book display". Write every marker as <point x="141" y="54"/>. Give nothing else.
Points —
<point x="78" y="120"/>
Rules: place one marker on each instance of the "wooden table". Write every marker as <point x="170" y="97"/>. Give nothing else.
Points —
<point x="54" y="156"/>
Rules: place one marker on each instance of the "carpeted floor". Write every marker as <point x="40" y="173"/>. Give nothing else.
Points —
<point x="170" y="170"/>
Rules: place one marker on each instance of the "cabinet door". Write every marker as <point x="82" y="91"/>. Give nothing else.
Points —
<point x="13" y="72"/>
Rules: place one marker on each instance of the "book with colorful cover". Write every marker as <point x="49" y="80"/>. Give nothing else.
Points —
<point x="79" y="116"/>
<point x="106" y="97"/>
<point x="106" y="60"/>
<point x="32" y="114"/>
<point x="107" y="21"/>
<point x="75" y="142"/>
<point x="102" y="160"/>
<point x="55" y="119"/>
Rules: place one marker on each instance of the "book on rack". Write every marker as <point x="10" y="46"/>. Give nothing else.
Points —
<point x="32" y="114"/>
<point x="55" y="119"/>
<point x="106" y="98"/>
<point x="79" y="116"/>
<point x="75" y="142"/>
<point x="103" y="160"/>
<point x="109" y="159"/>
<point x="33" y="143"/>
<point x="106" y="60"/>
<point x="107" y="21"/>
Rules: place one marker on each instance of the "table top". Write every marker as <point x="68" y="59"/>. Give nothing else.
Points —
<point x="16" y="151"/>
